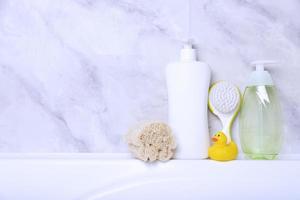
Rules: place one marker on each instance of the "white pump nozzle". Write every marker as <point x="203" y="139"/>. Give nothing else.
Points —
<point x="188" y="45"/>
<point x="260" y="67"/>
<point x="260" y="64"/>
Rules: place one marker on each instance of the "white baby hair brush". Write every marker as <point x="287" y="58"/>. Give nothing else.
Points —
<point x="224" y="101"/>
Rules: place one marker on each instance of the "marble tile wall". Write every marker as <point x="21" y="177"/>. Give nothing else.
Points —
<point x="76" y="74"/>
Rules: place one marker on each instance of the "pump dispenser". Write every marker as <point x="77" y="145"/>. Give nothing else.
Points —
<point x="260" y="119"/>
<point x="260" y="76"/>
<point x="187" y="83"/>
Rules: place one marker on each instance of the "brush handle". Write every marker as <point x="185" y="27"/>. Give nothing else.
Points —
<point x="227" y="128"/>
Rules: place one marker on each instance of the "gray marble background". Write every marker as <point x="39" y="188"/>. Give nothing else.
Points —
<point x="76" y="74"/>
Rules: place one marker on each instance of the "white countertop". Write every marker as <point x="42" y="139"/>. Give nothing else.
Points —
<point x="107" y="176"/>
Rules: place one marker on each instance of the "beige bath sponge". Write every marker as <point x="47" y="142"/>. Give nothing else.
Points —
<point x="151" y="141"/>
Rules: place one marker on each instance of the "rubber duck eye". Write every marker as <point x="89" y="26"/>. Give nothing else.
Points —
<point x="218" y="135"/>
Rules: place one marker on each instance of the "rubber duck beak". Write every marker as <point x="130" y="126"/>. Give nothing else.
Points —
<point x="214" y="139"/>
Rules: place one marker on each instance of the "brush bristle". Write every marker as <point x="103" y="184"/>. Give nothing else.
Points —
<point x="224" y="97"/>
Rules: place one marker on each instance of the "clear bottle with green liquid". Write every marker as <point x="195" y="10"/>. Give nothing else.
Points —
<point x="260" y="118"/>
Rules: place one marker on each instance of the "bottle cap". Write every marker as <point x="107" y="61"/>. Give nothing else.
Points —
<point x="188" y="53"/>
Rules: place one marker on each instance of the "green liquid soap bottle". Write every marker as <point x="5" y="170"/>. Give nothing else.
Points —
<point x="260" y="118"/>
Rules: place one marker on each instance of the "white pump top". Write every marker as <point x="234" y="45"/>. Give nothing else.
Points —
<point x="188" y="53"/>
<point x="260" y="76"/>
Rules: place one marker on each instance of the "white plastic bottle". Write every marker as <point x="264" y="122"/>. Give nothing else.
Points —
<point x="188" y="84"/>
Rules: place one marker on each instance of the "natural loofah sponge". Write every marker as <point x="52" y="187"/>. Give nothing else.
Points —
<point x="151" y="141"/>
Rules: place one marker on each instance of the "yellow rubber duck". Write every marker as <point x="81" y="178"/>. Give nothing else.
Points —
<point x="220" y="150"/>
